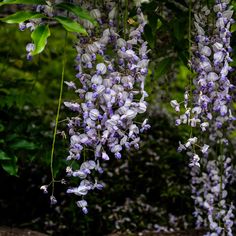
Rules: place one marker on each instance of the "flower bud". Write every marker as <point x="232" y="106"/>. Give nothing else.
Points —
<point x="101" y="68"/>
<point x="95" y="13"/>
<point x="105" y="156"/>
<point x="94" y="113"/>
<point x="96" y="79"/>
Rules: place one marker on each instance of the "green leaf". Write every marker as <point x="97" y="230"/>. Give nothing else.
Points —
<point x="71" y="25"/>
<point x="10" y="166"/>
<point x="163" y="66"/>
<point x="21" y="16"/>
<point x="41" y="2"/>
<point x="39" y="36"/>
<point x="148" y="31"/>
<point x="233" y="28"/>
<point x="23" y="144"/>
<point x="78" y="11"/>
<point x="2" y="128"/>
<point x="3" y="156"/>
<point x="178" y="30"/>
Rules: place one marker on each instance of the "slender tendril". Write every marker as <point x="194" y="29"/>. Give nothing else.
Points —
<point x="58" y="111"/>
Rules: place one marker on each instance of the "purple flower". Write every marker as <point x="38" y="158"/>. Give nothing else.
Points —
<point x="83" y="204"/>
<point x="111" y="96"/>
<point x="105" y="156"/>
<point x="22" y="26"/>
<point x="53" y="200"/>
<point x="209" y="109"/>
<point x="71" y="85"/>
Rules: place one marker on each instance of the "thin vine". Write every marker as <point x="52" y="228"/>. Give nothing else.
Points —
<point x="58" y="112"/>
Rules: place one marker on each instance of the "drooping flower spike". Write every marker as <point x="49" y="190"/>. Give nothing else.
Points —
<point x="110" y="88"/>
<point x="209" y="110"/>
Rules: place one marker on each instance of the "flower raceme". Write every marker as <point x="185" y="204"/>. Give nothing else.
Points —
<point x="209" y="105"/>
<point x="111" y="95"/>
<point x="210" y="196"/>
<point x="209" y="109"/>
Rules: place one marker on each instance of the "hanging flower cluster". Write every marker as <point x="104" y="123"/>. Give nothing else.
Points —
<point x="112" y="72"/>
<point x="210" y="106"/>
<point x="213" y="100"/>
<point x="212" y="66"/>
<point x="207" y="107"/>
<point x="210" y="196"/>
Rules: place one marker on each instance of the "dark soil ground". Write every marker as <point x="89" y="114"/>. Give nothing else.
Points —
<point x="5" y="231"/>
<point x="179" y="233"/>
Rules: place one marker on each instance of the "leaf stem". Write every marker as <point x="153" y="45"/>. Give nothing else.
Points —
<point x="58" y="111"/>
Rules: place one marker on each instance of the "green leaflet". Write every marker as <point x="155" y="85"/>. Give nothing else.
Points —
<point x="10" y="166"/>
<point x="3" y="156"/>
<point x="78" y="11"/>
<point x="41" y="2"/>
<point x="70" y="25"/>
<point x="23" y="144"/>
<point x="163" y="66"/>
<point x="39" y="36"/>
<point x="2" y="128"/>
<point x="21" y="16"/>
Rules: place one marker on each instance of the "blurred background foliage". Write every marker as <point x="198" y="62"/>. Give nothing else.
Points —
<point x="146" y="189"/>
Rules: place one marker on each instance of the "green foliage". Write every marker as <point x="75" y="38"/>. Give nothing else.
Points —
<point x="13" y="144"/>
<point x="163" y="67"/>
<point x="4" y="2"/>
<point x="1" y="127"/>
<point x="70" y="25"/>
<point x="3" y="156"/>
<point x="23" y="144"/>
<point x="42" y="32"/>
<point x="10" y="166"/>
<point x="27" y="99"/>
<point x="78" y="11"/>
<point x="39" y="37"/>
<point x="21" y="16"/>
